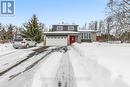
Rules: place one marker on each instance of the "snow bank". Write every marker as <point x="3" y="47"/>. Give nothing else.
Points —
<point x="114" y="42"/>
<point x="6" y="48"/>
<point x="114" y="57"/>
<point x="90" y="73"/>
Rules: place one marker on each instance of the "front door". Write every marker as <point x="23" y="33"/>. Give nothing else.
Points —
<point x="72" y="39"/>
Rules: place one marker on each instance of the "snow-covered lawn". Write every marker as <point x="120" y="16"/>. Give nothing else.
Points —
<point x="6" y="49"/>
<point x="114" y="57"/>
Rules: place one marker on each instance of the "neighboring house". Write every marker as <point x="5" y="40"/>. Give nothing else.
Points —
<point x="67" y="34"/>
<point x="88" y="35"/>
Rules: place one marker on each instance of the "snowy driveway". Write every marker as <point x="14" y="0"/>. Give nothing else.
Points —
<point x="79" y="66"/>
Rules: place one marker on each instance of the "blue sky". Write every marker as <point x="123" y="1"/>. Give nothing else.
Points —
<point x="55" y="11"/>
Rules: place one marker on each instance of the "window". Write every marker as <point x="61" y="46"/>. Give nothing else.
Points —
<point x="70" y="27"/>
<point x="87" y="36"/>
<point x="82" y="35"/>
<point x="59" y="27"/>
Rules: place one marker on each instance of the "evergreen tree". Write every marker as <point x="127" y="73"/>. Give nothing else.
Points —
<point x="10" y="32"/>
<point x="32" y="29"/>
<point x="3" y="34"/>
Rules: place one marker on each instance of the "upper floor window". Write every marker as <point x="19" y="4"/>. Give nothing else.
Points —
<point x="70" y="27"/>
<point x="59" y="27"/>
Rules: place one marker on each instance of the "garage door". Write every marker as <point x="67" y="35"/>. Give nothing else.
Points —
<point x="56" y="41"/>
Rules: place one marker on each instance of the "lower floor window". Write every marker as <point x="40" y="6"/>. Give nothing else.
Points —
<point x="87" y="36"/>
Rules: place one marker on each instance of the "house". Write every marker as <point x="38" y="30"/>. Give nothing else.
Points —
<point x="62" y="35"/>
<point x="88" y="35"/>
<point x="67" y="34"/>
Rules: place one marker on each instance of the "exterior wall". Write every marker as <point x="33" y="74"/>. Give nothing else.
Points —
<point x="79" y="38"/>
<point x="56" y="41"/>
<point x="93" y="36"/>
<point x="44" y="43"/>
<point x="65" y="27"/>
<point x="60" y="42"/>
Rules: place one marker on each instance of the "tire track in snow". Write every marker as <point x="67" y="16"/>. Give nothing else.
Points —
<point x="30" y="55"/>
<point x="65" y="74"/>
<point x="11" y="78"/>
<point x="45" y="76"/>
<point x="34" y="60"/>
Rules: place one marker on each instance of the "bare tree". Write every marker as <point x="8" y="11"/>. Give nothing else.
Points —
<point x="101" y="27"/>
<point x="118" y="10"/>
<point x="93" y="25"/>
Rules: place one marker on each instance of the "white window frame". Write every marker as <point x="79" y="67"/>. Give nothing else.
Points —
<point x="70" y="27"/>
<point x="87" y="35"/>
<point x="59" y="27"/>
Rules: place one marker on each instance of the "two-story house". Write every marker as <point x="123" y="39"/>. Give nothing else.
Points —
<point x="62" y="35"/>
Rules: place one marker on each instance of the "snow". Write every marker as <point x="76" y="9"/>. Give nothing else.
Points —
<point x="45" y="75"/>
<point x="10" y="56"/>
<point x="89" y="73"/>
<point x="18" y="70"/>
<point x="12" y="78"/>
<point x="12" y="59"/>
<point x="114" y="57"/>
<point x="6" y="49"/>
<point x="88" y="69"/>
<point x="84" y="65"/>
<point x="85" y="30"/>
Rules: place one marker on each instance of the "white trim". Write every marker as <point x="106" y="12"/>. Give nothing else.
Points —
<point x="62" y="32"/>
<point x="86" y="35"/>
<point x="70" y="27"/>
<point x="59" y="27"/>
<point x="88" y="31"/>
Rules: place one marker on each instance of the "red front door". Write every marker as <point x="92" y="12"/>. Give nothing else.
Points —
<point x="72" y="39"/>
